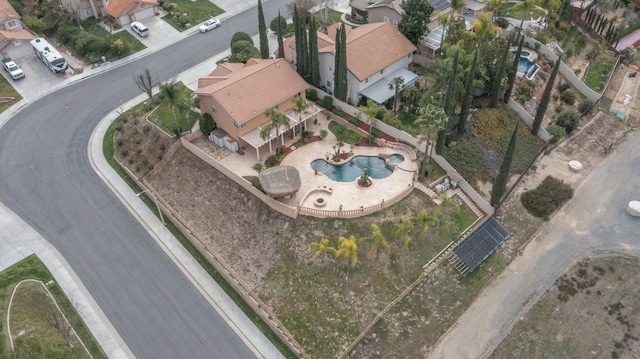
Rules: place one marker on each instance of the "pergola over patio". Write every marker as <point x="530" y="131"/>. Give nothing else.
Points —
<point x="256" y="141"/>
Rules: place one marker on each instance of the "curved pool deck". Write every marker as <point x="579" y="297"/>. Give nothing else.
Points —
<point x="346" y="194"/>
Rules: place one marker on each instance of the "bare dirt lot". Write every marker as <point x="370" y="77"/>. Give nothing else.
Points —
<point x="591" y="312"/>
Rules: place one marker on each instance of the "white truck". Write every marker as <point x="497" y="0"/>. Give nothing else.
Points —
<point x="14" y="70"/>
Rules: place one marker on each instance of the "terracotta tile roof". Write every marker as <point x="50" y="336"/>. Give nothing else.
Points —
<point x="118" y="8"/>
<point x="7" y="11"/>
<point x="370" y="47"/>
<point x="250" y="90"/>
<point x="16" y="35"/>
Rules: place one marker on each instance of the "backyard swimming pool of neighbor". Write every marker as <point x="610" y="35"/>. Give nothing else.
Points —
<point x="525" y="66"/>
<point x="354" y="168"/>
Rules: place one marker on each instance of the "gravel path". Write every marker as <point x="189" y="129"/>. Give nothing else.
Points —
<point x="595" y="220"/>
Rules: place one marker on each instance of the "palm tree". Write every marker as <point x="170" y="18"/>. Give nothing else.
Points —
<point x="525" y="6"/>
<point x="324" y="246"/>
<point x="278" y="119"/>
<point x="402" y="230"/>
<point x="456" y="5"/>
<point x="370" y="111"/>
<point x="299" y="105"/>
<point x="377" y="242"/>
<point x="171" y="93"/>
<point x="186" y="105"/>
<point x="494" y="5"/>
<point x="443" y="20"/>
<point x="483" y="26"/>
<point x="423" y="220"/>
<point x="348" y="249"/>
<point x="396" y="85"/>
<point x="434" y="119"/>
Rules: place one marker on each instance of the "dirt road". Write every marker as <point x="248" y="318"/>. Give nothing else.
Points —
<point x="595" y="220"/>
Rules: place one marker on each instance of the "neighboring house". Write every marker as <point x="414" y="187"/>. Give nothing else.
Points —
<point x="85" y="9"/>
<point x="376" y="54"/>
<point x="238" y="95"/>
<point x="359" y="8"/>
<point x="128" y="11"/>
<point x="14" y="40"/>
<point x="391" y="10"/>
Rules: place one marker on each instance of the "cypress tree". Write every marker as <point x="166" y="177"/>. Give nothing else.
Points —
<point x="544" y="100"/>
<point x="440" y="141"/>
<point x="514" y="72"/>
<point x="298" y="35"/>
<point x="466" y="105"/>
<point x="314" y="61"/>
<point x="304" y="52"/>
<point x="497" y="82"/>
<point x="262" y="29"/>
<point x="500" y="184"/>
<point x="280" y="40"/>
<point x="340" y="72"/>
<point x="448" y="99"/>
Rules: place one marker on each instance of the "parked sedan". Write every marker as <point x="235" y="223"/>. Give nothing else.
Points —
<point x="210" y="25"/>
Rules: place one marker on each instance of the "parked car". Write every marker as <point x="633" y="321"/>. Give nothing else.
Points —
<point x="14" y="70"/>
<point x="210" y="25"/>
<point x="140" y="29"/>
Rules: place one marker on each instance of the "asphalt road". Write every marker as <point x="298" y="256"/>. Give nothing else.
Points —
<point x="593" y="223"/>
<point x="46" y="178"/>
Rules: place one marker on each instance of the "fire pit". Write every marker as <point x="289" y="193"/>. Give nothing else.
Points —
<point x="319" y="202"/>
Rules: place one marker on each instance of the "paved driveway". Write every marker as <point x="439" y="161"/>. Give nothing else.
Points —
<point x="593" y="222"/>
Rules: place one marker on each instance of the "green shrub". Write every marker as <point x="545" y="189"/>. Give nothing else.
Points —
<point x="327" y="102"/>
<point x="338" y="111"/>
<point x="206" y="123"/>
<point x="556" y="131"/>
<point x="466" y="157"/>
<point x="550" y="195"/>
<point x="502" y="22"/>
<point x="120" y="48"/>
<point x="586" y="106"/>
<point x="568" y="119"/>
<point x="525" y="90"/>
<point x="312" y="94"/>
<point x="354" y="121"/>
<point x="568" y="97"/>
<point x="184" y="20"/>
<point x="169" y="7"/>
<point x="274" y="24"/>
<point x="271" y="161"/>
<point x="392" y="119"/>
<point x="67" y="32"/>
<point x="559" y="109"/>
<point x="563" y="86"/>
<point x="240" y="36"/>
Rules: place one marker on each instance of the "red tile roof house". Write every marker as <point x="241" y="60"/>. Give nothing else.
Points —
<point x="14" y="40"/>
<point x="376" y="54"/>
<point x="238" y="95"/>
<point x="128" y="11"/>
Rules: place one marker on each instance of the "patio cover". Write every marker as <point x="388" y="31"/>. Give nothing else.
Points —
<point x="280" y="181"/>
<point x="380" y="92"/>
<point x="253" y="137"/>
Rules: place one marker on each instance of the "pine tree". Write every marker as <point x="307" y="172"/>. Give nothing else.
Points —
<point x="262" y="29"/>
<point x="544" y="100"/>
<point x="466" y="105"/>
<point x="279" y="30"/>
<point x="514" y="72"/>
<point x="314" y="61"/>
<point x="448" y="98"/>
<point x="497" y="82"/>
<point x="340" y="72"/>
<point x="500" y="184"/>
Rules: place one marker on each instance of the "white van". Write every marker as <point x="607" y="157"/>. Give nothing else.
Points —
<point x="140" y="29"/>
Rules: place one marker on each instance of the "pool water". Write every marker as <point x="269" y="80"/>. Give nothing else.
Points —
<point x="526" y="66"/>
<point x="354" y="168"/>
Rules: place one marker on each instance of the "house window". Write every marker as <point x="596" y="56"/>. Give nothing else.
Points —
<point x="243" y="125"/>
<point x="88" y="12"/>
<point x="297" y="95"/>
<point x="408" y="56"/>
<point x="11" y="24"/>
<point x="395" y="23"/>
<point x="213" y="109"/>
<point x="381" y="71"/>
<point x="329" y="84"/>
<point x="366" y="81"/>
<point x="385" y="19"/>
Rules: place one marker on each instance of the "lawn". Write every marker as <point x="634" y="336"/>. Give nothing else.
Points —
<point x="197" y="12"/>
<point x="343" y="134"/>
<point x="134" y="43"/>
<point x="163" y="115"/>
<point x="24" y="316"/>
<point x="9" y="96"/>
<point x="598" y="74"/>
<point x="333" y="16"/>
<point x="508" y="10"/>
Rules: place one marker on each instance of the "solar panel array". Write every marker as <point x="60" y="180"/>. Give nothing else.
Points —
<point x="439" y="5"/>
<point x="473" y="250"/>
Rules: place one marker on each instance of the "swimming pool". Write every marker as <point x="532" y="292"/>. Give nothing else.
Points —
<point x="525" y="66"/>
<point x="354" y="168"/>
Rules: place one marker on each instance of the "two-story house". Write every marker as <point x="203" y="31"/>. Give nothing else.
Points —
<point x="124" y="11"/>
<point x="237" y="96"/>
<point x="14" y="40"/>
<point x="376" y="54"/>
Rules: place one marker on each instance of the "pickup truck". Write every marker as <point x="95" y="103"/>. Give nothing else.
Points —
<point x="14" y="70"/>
